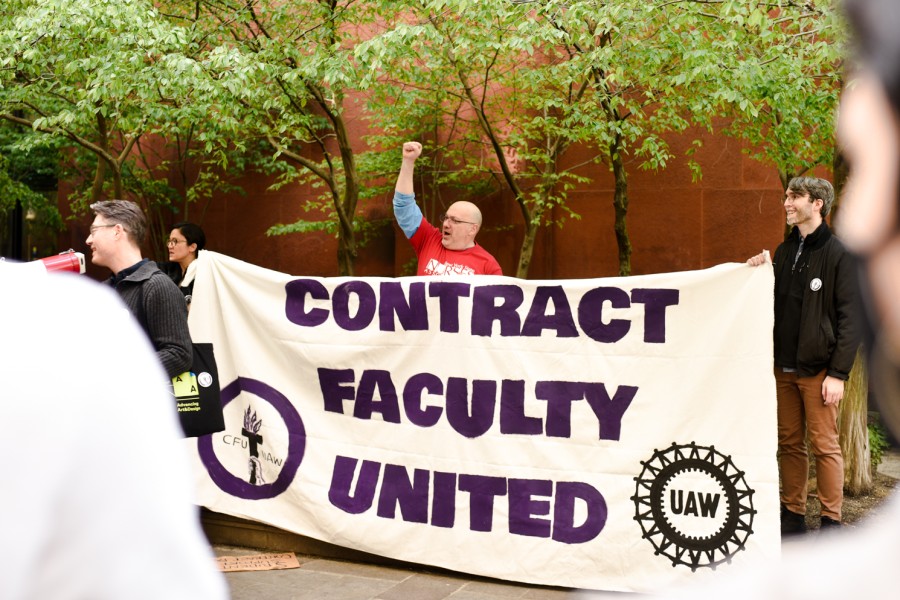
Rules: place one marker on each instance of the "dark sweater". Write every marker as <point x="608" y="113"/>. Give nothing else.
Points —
<point x="159" y="307"/>
<point x="816" y="308"/>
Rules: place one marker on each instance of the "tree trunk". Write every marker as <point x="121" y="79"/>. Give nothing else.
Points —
<point x="534" y="218"/>
<point x="854" y="427"/>
<point x="526" y="250"/>
<point x="346" y="207"/>
<point x="620" y="203"/>
<point x="99" y="178"/>
<point x="118" y="190"/>
<point x="100" y="173"/>
<point x="346" y="253"/>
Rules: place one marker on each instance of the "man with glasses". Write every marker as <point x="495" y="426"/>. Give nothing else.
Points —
<point x="118" y="230"/>
<point x="450" y="249"/>
<point x="816" y="337"/>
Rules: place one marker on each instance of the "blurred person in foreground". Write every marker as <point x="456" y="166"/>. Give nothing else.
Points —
<point x="118" y="230"/>
<point x="185" y="242"/>
<point x="450" y="250"/>
<point x="102" y="507"/>
<point x="869" y="136"/>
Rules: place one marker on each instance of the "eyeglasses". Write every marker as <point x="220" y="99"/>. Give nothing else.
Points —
<point x="94" y="228"/>
<point x="173" y="242"/>
<point x="453" y="220"/>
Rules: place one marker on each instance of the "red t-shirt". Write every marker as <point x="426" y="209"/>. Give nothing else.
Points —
<point x="435" y="259"/>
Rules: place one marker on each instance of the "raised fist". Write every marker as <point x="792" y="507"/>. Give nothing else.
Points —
<point x="411" y="150"/>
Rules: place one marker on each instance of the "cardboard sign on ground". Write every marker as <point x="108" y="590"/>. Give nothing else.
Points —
<point x="258" y="562"/>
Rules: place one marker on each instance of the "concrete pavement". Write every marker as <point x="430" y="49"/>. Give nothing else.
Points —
<point x="323" y="579"/>
<point x="890" y="465"/>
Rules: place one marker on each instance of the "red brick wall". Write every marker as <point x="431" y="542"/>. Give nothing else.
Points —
<point x="674" y="223"/>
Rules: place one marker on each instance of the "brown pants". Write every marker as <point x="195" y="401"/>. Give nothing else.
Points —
<point x="801" y="406"/>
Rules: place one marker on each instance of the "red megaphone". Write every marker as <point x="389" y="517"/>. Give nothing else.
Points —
<point x="64" y="261"/>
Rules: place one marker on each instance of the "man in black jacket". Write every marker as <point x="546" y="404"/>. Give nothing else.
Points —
<point x="816" y="338"/>
<point x="118" y="230"/>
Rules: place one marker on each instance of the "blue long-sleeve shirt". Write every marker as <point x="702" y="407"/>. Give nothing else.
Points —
<point x="407" y="213"/>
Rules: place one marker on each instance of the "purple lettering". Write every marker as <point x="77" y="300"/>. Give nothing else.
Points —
<point x="423" y="416"/>
<point x="538" y="319"/>
<point x="559" y="396"/>
<point x="295" y="301"/>
<point x="590" y="314"/>
<point x="366" y="404"/>
<point x="448" y="295"/>
<point x="655" y="303"/>
<point x="564" y="528"/>
<point x="471" y="410"/>
<point x="410" y="496"/>
<point x="482" y="490"/>
<point x="609" y="411"/>
<point x="333" y="393"/>
<point x="354" y="304"/>
<point x="342" y="479"/>
<point x="485" y="310"/>
<point x="443" y="505"/>
<point x="365" y="310"/>
<point x="530" y="502"/>
<point x="412" y="314"/>
<point x="484" y="398"/>
<point x="524" y="509"/>
<point x="513" y="419"/>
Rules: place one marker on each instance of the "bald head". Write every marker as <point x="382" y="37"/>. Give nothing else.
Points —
<point x="469" y="210"/>
<point x="460" y="226"/>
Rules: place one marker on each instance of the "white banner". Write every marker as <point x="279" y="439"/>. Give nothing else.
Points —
<point x="614" y="434"/>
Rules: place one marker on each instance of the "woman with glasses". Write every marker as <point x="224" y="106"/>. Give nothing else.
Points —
<point x="186" y="240"/>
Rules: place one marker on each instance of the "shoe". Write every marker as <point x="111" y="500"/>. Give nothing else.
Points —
<point x="829" y="523"/>
<point x="792" y="523"/>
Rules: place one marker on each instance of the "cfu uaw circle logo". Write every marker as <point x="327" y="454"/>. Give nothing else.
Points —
<point x="693" y="505"/>
<point x="255" y="487"/>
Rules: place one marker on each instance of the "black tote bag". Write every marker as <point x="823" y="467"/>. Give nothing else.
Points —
<point x="197" y="394"/>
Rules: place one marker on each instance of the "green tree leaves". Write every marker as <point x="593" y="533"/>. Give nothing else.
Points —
<point x="320" y="92"/>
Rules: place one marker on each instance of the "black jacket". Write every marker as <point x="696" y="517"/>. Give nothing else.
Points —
<point x="829" y="324"/>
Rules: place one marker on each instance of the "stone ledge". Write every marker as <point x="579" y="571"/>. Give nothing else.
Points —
<point x="227" y="530"/>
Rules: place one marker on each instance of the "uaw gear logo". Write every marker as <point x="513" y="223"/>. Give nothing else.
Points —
<point x="693" y="505"/>
<point x="252" y="484"/>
